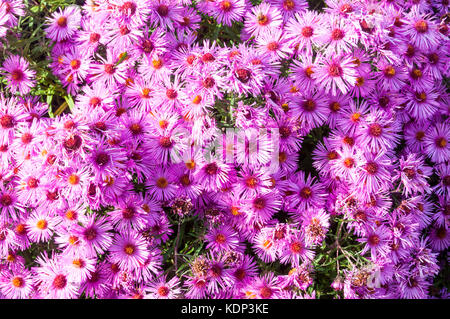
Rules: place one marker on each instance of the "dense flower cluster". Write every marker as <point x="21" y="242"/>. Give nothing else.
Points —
<point x="98" y="191"/>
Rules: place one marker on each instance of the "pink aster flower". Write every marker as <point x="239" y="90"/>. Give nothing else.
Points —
<point x="228" y="11"/>
<point x="129" y="250"/>
<point x="54" y="279"/>
<point x="306" y="193"/>
<point x="262" y="18"/>
<point x="20" y="77"/>
<point x="161" y="288"/>
<point x="222" y="239"/>
<point x="63" y="24"/>
<point x="377" y="241"/>
<point x="303" y="31"/>
<point x="16" y="283"/>
<point x="422" y="30"/>
<point x="335" y="73"/>
<point x="337" y="34"/>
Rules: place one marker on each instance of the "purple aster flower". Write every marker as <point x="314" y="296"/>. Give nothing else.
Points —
<point x="95" y="235"/>
<point x="305" y="193"/>
<point x="374" y="174"/>
<point x="436" y="142"/>
<point x="335" y="73"/>
<point x="222" y="239"/>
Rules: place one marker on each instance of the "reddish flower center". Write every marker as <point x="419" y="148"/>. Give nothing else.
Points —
<point x="90" y="233"/>
<point x="305" y="192"/>
<point x="185" y="180"/>
<point x="73" y="143"/>
<point x="296" y="247"/>
<point x="240" y="274"/>
<point x="420" y="135"/>
<point x="433" y="58"/>
<point x="371" y="168"/>
<point x="211" y="168"/>
<point x="78" y="263"/>
<point x="109" y="69"/>
<point x="73" y="179"/>
<point x="59" y="282"/>
<point x="32" y="182"/>
<point x="5" y="200"/>
<point x="285" y="132"/>
<point x="129" y="6"/>
<point x="128" y="213"/>
<point x="259" y="203"/>
<point x="243" y="75"/>
<point x="375" y="129"/>
<point x="309" y="105"/>
<point x="374" y="239"/>
<point x="273" y="46"/>
<point x="251" y="182"/>
<point x="42" y="224"/>
<point x="337" y="34"/>
<point x="163" y="10"/>
<point x="349" y="162"/>
<point x="94" y="37"/>
<point x="263" y="20"/>
<point x="309" y="71"/>
<point x="208" y="83"/>
<point x="190" y="59"/>
<point x="26" y="138"/>
<point x="265" y="292"/>
<point x="288" y="5"/>
<point x="335" y="106"/>
<point x="446" y="180"/>
<point x="421" y="26"/>
<point x="335" y="70"/>
<point x="157" y="64"/>
<point x="208" y="57"/>
<point x="17" y="75"/>
<point x="307" y="32"/>
<point x="129" y="249"/>
<point x="162" y="182"/>
<point x="349" y="140"/>
<point x="7" y="121"/>
<point x="171" y="94"/>
<point x="421" y="96"/>
<point x="346" y="8"/>
<point x="163" y="291"/>
<point x="441" y="142"/>
<point x="165" y="141"/>
<point x="75" y="64"/>
<point x="220" y="239"/>
<point x="410" y="173"/>
<point x="71" y="214"/>
<point x="21" y="229"/>
<point x="102" y="159"/>
<point x="416" y="74"/>
<point x="332" y="155"/>
<point x="136" y="129"/>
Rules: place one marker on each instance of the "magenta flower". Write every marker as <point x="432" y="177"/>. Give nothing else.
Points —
<point x="20" y="77"/>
